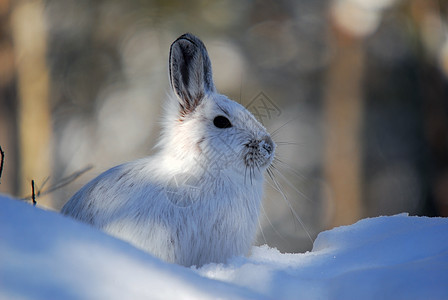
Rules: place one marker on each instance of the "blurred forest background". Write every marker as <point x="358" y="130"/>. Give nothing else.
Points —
<point x="356" y="91"/>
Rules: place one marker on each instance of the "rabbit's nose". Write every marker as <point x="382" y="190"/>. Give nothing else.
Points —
<point x="267" y="145"/>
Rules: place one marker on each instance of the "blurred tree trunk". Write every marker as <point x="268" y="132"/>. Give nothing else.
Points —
<point x="29" y="36"/>
<point x="430" y="17"/>
<point x="343" y="114"/>
<point x="8" y="132"/>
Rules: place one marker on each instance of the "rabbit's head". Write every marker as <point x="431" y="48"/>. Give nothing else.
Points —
<point x="205" y="129"/>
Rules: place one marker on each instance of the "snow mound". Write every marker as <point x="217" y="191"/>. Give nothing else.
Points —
<point x="398" y="257"/>
<point x="44" y="255"/>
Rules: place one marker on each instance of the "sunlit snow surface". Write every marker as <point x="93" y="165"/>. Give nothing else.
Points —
<point x="44" y="255"/>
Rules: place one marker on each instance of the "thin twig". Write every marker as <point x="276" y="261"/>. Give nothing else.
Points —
<point x="33" y="194"/>
<point x="64" y="181"/>
<point x="1" y="163"/>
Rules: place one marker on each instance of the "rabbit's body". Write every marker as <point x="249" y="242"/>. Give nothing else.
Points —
<point x="197" y="200"/>
<point x="130" y="202"/>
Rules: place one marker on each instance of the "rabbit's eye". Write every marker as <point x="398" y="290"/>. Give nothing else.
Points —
<point x="222" y="122"/>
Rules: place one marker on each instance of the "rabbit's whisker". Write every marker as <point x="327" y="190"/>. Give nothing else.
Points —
<point x="290" y="169"/>
<point x="261" y="230"/>
<point x="291" y="184"/>
<point x="274" y="133"/>
<point x="285" y="198"/>
<point x="272" y="225"/>
<point x="251" y="175"/>
<point x="286" y="143"/>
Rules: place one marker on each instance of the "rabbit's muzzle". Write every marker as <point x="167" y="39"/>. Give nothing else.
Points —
<point x="260" y="152"/>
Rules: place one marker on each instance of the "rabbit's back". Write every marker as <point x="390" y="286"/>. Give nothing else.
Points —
<point x="99" y="201"/>
<point x="129" y="202"/>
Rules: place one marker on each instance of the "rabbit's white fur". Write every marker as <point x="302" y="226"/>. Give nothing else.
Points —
<point x="198" y="199"/>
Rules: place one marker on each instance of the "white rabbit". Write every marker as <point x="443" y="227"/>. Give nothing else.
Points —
<point x="198" y="199"/>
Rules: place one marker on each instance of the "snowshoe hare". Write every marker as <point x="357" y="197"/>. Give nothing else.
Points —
<point x="198" y="199"/>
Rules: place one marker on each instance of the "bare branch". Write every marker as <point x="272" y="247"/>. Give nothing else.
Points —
<point x="1" y="162"/>
<point x="64" y="181"/>
<point x="33" y="194"/>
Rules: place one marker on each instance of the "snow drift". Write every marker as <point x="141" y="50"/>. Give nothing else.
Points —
<point x="44" y="255"/>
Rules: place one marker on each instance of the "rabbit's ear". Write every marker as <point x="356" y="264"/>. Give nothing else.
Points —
<point x="190" y="71"/>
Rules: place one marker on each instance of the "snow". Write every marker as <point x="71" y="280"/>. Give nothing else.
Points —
<point x="44" y="255"/>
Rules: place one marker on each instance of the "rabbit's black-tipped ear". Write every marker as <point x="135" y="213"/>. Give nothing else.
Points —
<point x="190" y="71"/>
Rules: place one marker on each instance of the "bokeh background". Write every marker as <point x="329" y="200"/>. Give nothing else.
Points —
<point x="355" y="91"/>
